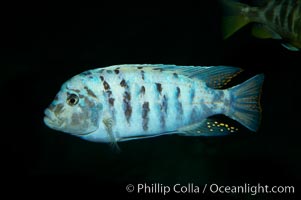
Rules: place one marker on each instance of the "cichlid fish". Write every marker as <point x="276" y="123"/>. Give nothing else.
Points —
<point x="276" y="19"/>
<point x="125" y="102"/>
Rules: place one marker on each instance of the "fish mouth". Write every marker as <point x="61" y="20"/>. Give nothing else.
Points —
<point x="53" y="122"/>
<point x="50" y="120"/>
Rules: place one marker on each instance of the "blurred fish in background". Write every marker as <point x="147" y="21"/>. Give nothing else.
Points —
<point x="275" y="19"/>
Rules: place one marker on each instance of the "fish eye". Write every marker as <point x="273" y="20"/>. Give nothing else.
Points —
<point x="72" y="99"/>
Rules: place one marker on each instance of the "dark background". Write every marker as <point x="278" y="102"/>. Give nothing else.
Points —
<point x="42" y="48"/>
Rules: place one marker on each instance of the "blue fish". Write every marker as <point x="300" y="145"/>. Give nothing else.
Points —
<point x="125" y="102"/>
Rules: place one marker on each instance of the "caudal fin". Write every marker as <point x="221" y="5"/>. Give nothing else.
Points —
<point x="245" y="102"/>
<point x="233" y="17"/>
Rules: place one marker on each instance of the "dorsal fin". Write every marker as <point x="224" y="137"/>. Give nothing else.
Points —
<point x="214" y="76"/>
<point x="218" y="76"/>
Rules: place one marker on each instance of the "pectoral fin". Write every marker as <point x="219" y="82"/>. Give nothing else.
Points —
<point x="108" y="122"/>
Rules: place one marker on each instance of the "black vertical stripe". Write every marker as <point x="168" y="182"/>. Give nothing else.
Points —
<point x="142" y="90"/>
<point x="123" y="83"/>
<point x="164" y="104"/>
<point x="127" y="106"/>
<point x="111" y="102"/>
<point x="178" y="93"/>
<point x="179" y="106"/>
<point x="163" y="111"/>
<point x="145" y="117"/>
<point x="116" y="71"/>
<point x="192" y="94"/>
<point x="180" y="110"/>
<point x="159" y="87"/>
<point x="106" y="86"/>
<point x="108" y="96"/>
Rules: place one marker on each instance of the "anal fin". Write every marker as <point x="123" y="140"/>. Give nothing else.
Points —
<point x="208" y="127"/>
<point x="289" y="47"/>
<point x="261" y="31"/>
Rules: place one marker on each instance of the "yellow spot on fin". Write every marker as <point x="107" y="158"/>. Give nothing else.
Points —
<point x="208" y="127"/>
<point x="219" y="76"/>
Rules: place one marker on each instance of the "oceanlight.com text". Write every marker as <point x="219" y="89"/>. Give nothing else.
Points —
<point x="251" y="189"/>
<point x="191" y="188"/>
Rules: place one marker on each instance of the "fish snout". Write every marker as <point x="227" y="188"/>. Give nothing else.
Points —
<point x="50" y="119"/>
<point x="49" y="114"/>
